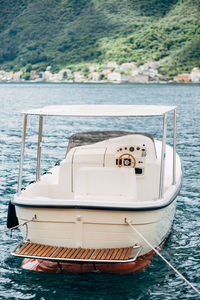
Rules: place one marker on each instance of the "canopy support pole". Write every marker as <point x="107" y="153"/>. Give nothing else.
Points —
<point x="163" y="156"/>
<point x="174" y="150"/>
<point x="39" y="148"/>
<point x="22" y="155"/>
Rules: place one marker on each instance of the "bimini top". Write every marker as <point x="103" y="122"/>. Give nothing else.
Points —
<point x="101" y="110"/>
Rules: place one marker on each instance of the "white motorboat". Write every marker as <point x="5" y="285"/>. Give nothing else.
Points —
<point x="77" y="215"/>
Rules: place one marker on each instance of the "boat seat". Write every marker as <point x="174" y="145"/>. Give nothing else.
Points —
<point x="106" y="184"/>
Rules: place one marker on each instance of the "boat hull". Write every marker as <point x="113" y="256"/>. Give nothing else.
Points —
<point x="92" y="228"/>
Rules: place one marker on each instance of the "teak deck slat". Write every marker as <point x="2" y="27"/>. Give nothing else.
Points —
<point x="28" y="248"/>
<point x="128" y="253"/>
<point x="28" y="245"/>
<point x="85" y="253"/>
<point x="119" y="253"/>
<point x="31" y="249"/>
<point x="49" y="251"/>
<point x="44" y="251"/>
<point x="35" y="250"/>
<point x="70" y="253"/>
<point x="89" y="254"/>
<point x="38" y="250"/>
<point x="114" y="254"/>
<point x="75" y="253"/>
<point x="96" y="253"/>
<point x="80" y="253"/>
<point x="59" y="252"/>
<point x="105" y="253"/>
<point x="123" y="253"/>
<point x="100" y="254"/>
<point x="110" y="252"/>
<point x="52" y="250"/>
<point x="22" y="248"/>
<point x="67" y="252"/>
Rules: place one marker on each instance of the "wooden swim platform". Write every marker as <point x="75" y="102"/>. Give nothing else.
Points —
<point x="106" y="255"/>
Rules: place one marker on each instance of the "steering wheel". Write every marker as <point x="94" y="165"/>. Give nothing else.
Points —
<point x="133" y="160"/>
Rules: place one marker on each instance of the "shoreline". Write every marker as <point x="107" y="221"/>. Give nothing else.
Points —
<point x="97" y="83"/>
<point x="127" y="73"/>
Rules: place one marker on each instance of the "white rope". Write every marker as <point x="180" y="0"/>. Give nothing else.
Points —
<point x="158" y="253"/>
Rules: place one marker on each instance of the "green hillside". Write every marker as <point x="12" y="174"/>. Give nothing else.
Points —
<point x="72" y="32"/>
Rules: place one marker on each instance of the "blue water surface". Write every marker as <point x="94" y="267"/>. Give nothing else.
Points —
<point x="181" y="248"/>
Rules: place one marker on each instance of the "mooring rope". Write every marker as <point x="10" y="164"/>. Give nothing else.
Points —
<point x="163" y="258"/>
<point x="17" y="226"/>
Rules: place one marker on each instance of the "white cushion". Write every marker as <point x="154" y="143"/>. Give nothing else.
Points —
<point x="100" y="183"/>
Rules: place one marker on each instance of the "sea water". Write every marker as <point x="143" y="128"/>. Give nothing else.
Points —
<point x="182" y="248"/>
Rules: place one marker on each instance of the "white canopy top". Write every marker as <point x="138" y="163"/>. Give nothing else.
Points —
<point x="101" y="110"/>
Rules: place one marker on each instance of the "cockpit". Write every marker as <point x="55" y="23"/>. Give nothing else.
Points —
<point x="129" y="157"/>
<point x="106" y="167"/>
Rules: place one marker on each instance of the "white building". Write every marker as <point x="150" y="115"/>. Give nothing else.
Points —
<point x="195" y="75"/>
<point x="114" y="77"/>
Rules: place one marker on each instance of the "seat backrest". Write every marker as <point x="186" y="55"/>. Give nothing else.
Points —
<point x="104" y="184"/>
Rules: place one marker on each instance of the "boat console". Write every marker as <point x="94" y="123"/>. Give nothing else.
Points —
<point x="130" y="151"/>
<point x="115" y="166"/>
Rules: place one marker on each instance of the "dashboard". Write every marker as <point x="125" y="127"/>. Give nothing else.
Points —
<point x="131" y="156"/>
<point x="134" y="151"/>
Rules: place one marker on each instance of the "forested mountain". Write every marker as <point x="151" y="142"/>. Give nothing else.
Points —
<point x="62" y="33"/>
